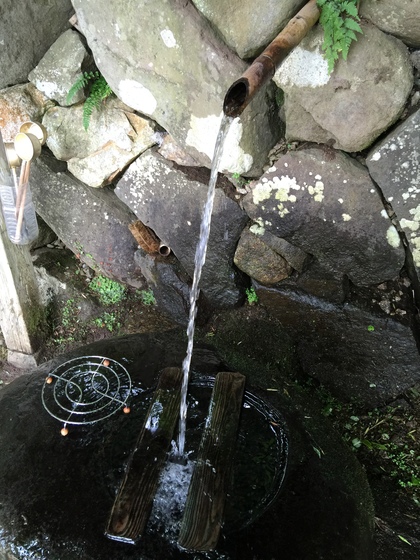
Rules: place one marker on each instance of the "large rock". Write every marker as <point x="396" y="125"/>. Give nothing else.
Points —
<point x="397" y="17"/>
<point x="351" y="107"/>
<point x="394" y="165"/>
<point x="115" y="136"/>
<point x="355" y="353"/>
<point x="60" y="68"/>
<point x="169" y="201"/>
<point x="27" y="30"/>
<point x="92" y="223"/>
<point x="326" y="204"/>
<point x="177" y="70"/>
<point x="254" y="257"/>
<point x="246" y="27"/>
<point x="19" y="104"/>
<point x="169" y="282"/>
<point x="57" y="492"/>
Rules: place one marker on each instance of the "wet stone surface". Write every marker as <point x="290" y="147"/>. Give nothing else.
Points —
<point x="56" y="492"/>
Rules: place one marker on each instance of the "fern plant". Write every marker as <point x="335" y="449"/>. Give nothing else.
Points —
<point x="339" y="19"/>
<point x="98" y="91"/>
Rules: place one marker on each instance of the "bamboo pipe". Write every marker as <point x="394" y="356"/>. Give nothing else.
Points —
<point x="264" y="67"/>
<point x="148" y="240"/>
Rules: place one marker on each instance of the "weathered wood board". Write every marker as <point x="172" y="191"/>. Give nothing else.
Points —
<point x="203" y="515"/>
<point x="133" y="504"/>
<point x="21" y="311"/>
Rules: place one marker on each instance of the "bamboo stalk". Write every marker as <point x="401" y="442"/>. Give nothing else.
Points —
<point x="264" y="67"/>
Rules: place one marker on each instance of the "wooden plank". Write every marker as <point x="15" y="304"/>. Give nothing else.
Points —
<point x="203" y="515"/>
<point x="21" y="311"/>
<point x="132" y="506"/>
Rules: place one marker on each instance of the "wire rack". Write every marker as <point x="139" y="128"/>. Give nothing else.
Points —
<point x="86" y="390"/>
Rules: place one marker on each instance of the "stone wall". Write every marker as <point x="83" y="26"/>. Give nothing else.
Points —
<point x="316" y="206"/>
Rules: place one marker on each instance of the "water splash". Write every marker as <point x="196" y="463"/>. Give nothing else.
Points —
<point x="200" y="258"/>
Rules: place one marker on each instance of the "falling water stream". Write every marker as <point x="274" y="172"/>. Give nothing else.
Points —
<point x="200" y="258"/>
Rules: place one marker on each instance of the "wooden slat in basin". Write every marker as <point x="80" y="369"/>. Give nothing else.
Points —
<point x="203" y="515"/>
<point x="133" y="504"/>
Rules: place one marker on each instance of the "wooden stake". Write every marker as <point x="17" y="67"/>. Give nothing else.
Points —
<point x="210" y="481"/>
<point x="132" y="506"/>
<point x="21" y="311"/>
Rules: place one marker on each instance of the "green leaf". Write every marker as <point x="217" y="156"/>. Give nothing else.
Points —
<point x="350" y="8"/>
<point x="339" y="30"/>
<point x="352" y="24"/>
<point x="79" y="84"/>
<point x="404" y="540"/>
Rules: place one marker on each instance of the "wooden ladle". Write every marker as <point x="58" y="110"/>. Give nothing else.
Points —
<point x="37" y="129"/>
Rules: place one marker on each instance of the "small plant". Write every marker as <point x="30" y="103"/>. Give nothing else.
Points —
<point x="251" y="296"/>
<point x="339" y="19"/>
<point x="386" y="436"/>
<point x="147" y="297"/>
<point x="66" y="323"/>
<point x="67" y="316"/>
<point x="98" y="91"/>
<point x="108" y="320"/>
<point x="239" y="180"/>
<point x="109" y="291"/>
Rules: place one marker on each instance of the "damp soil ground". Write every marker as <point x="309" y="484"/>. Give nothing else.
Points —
<point x="386" y="440"/>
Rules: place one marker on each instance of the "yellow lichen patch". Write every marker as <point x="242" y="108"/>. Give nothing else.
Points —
<point x="392" y="236"/>
<point x="317" y="192"/>
<point x="281" y="186"/>
<point x="258" y="228"/>
<point x="416" y="250"/>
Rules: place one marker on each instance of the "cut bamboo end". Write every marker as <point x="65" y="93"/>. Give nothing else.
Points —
<point x="133" y="504"/>
<point x="204" y="509"/>
<point x="145" y="237"/>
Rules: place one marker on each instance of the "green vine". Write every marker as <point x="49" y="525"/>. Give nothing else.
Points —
<point x="98" y="91"/>
<point x="339" y="19"/>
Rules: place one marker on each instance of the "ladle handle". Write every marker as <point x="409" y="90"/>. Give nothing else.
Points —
<point x="21" y="197"/>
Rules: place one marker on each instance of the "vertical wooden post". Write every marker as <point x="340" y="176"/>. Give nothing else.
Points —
<point x="21" y="312"/>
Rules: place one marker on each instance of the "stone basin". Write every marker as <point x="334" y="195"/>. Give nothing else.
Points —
<point x="56" y="492"/>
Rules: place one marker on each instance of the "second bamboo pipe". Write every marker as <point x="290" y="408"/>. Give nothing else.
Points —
<point x="264" y="67"/>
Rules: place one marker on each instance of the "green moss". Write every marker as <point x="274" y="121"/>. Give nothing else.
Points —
<point x="109" y="291"/>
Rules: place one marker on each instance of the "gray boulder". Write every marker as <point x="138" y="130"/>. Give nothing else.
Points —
<point x="177" y="70"/>
<point x="359" y="100"/>
<point x="397" y="17"/>
<point x="394" y="165"/>
<point x="245" y="26"/>
<point x="254" y="257"/>
<point x="60" y="68"/>
<point x="92" y="223"/>
<point x="169" y="282"/>
<point x="355" y="353"/>
<point x="170" y="201"/>
<point x="116" y="136"/>
<point x="326" y="204"/>
<point x="27" y="30"/>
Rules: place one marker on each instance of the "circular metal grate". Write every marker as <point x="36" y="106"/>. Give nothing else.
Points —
<point x="86" y="390"/>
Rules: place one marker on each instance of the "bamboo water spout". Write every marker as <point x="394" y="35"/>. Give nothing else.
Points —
<point x="264" y="67"/>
